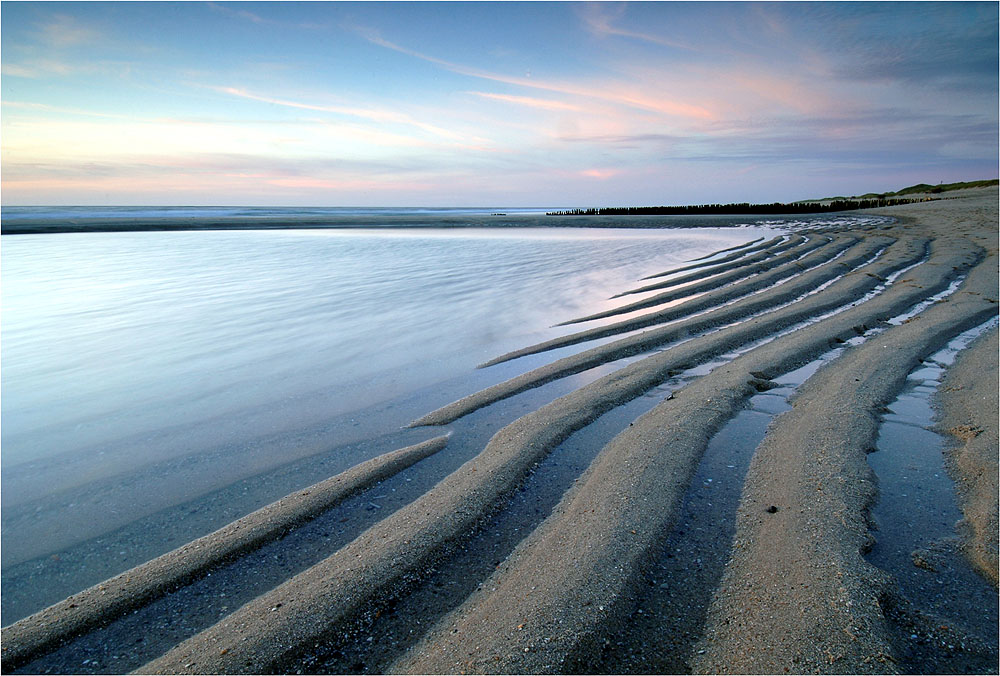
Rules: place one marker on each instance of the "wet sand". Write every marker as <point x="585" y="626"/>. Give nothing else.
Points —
<point x="795" y="594"/>
<point x="968" y="403"/>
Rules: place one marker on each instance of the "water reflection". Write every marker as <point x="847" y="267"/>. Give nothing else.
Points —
<point x="140" y="369"/>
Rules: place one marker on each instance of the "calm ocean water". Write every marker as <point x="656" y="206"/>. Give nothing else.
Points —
<point x="142" y="369"/>
<point x="139" y="218"/>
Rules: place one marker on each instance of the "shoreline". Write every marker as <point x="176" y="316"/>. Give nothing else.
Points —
<point x="346" y="221"/>
<point x="533" y="613"/>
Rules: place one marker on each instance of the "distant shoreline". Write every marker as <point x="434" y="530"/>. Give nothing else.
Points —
<point x="742" y="208"/>
<point x="22" y="220"/>
<point x="921" y="192"/>
<point x="191" y="223"/>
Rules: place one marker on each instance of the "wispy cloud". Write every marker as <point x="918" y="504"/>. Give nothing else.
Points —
<point x="238" y="13"/>
<point x="377" y="115"/>
<point x="254" y="177"/>
<point x="65" y="31"/>
<point x="252" y="17"/>
<point x="39" y="68"/>
<point x="44" y="107"/>
<point x="622" y="99"/>
<point x="599" y="18"/>
<point x="36" y="68"/>
<point x="349" y="184"/>
<point x="601" y="174"/>
<point x="545" y="104"/>
<point x="634" y="140"/>
<point x="616" y="93"/>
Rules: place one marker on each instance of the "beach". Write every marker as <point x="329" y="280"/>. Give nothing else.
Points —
<point x="569" y="539"/>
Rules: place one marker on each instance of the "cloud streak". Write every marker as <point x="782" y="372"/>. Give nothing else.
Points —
<point x="616" y="93"/>
<point x="544" y="104"/>
<point x="599" y="22"/>
<point x="470" y="101"/>
<point x="64" y="31"/>
<point x="368" y="114"/>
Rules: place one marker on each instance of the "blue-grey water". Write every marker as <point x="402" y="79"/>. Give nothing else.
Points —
<point x="143" y="369"/>
<point x="48" y="219"/>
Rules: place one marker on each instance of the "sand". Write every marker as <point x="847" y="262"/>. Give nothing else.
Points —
<point x="158" y="577"/>
<point x="796" y="594"/>
<point x="968" y="403"/>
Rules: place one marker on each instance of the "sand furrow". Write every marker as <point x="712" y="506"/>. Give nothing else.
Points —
<point x="744" y="249"/>
<point x="968" y="403"/>
<point x="394" y="552"/>
<point x="767" y="254"/>
<point x="736" y="248"/>
<point x="714" y="282"/>
<point x="798" y="594"/>
<point x="533" y="617"/>
<point x="904" y="254"/>
<point x="101" y="603"/>
<point x="702" y="303"/>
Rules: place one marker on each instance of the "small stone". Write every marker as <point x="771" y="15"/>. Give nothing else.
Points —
<point x="920" y="560"/>
<point x="771" y="510"/>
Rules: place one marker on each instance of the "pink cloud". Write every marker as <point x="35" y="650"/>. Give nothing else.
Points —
<point x="601" y="174"/>
<point x="206" y="185"/>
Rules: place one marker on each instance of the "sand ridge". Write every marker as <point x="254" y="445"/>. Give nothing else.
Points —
<point x="140" y="585"/>
<point x="796" y="596"/>
<point x="968" y="403"/>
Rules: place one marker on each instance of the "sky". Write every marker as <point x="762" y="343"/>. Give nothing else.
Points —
<point x="491" y="103"/>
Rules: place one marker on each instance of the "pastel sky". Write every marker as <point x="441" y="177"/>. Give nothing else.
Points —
<point x="493" y="103"/>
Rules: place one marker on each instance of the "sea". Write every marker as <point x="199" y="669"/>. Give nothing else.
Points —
<point x="150" y="357"/>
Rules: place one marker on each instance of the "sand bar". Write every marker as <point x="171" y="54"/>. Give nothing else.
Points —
<point x="654" y="338"/>
<point x="571" y="583"/>
<point x="743" y="250"/>
<point x="705" y="301"/>
<point x="735" y="248"/>
<point x="140" y="585"/>
<point x="802" y="245"/>
<point x="823" y="600"/>
<point x="766" y="254"/>
<point x="382" y="558"/>
<point x="609" y="524"/>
